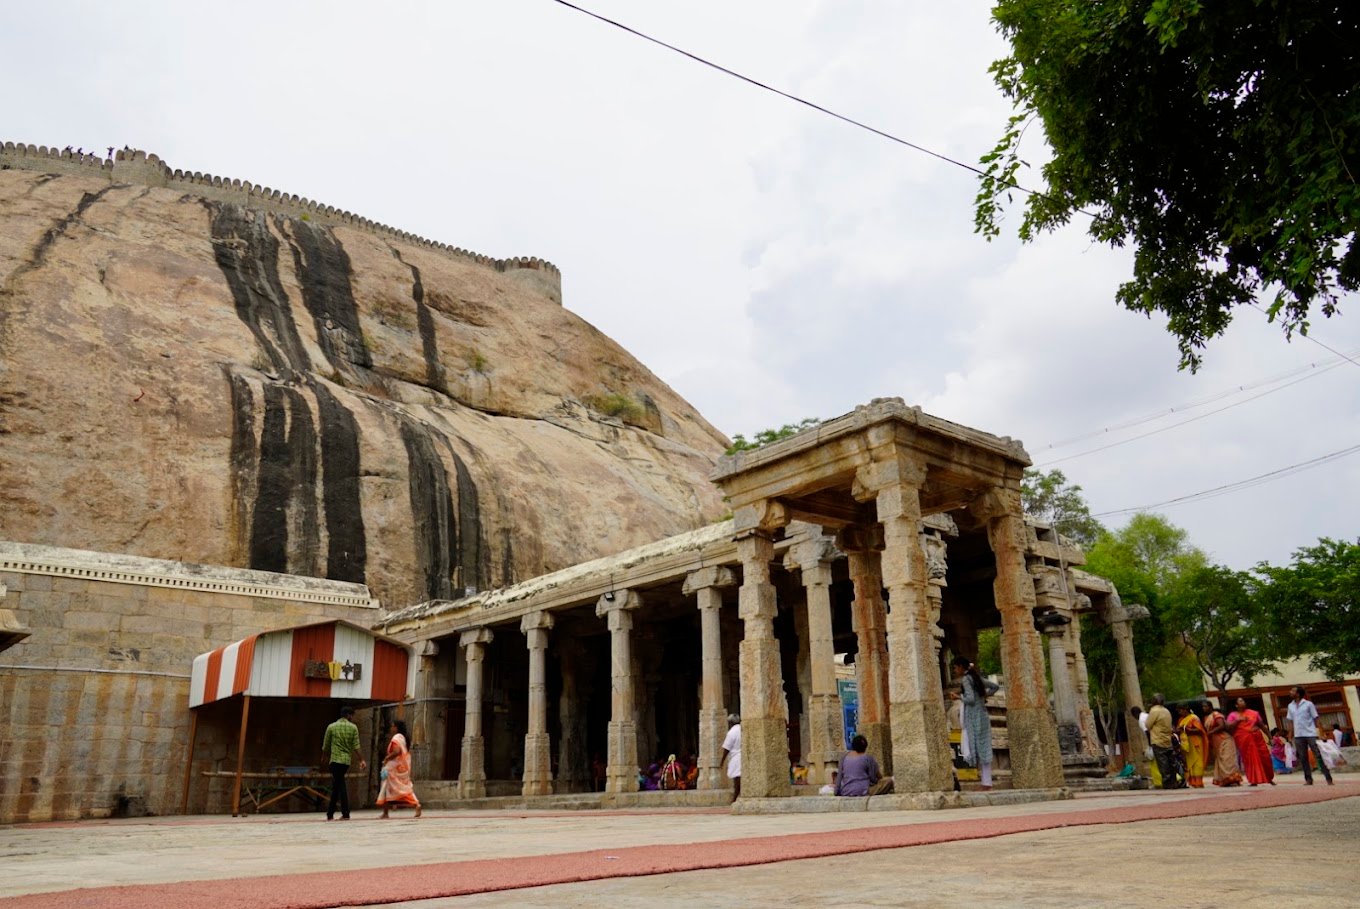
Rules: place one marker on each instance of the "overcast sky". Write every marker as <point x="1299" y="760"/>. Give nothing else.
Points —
<point x="766" y="261"/>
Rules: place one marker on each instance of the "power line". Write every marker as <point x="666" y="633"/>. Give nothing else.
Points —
<point x="1309" y="337"/>
<point x="1322" y="366"/>
<point x="1257" y="480"/>
<point x="796" y="99"/>
<point x="1153" y="432"/>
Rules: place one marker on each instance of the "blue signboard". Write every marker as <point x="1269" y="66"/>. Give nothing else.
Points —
<point x="848" y="690"/>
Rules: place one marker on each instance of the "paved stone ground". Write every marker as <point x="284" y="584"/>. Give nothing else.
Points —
<point x="1246" y="858"/>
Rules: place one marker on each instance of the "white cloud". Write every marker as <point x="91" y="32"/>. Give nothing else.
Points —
<point x="768" y="262"/>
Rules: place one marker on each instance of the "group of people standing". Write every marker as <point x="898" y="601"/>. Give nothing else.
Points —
<point x="1231" y="748"/>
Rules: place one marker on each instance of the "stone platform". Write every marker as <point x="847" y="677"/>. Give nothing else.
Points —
<point x="905" y="801"/>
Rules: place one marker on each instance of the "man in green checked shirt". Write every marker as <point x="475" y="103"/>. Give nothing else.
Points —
<point x="340" y="746"/>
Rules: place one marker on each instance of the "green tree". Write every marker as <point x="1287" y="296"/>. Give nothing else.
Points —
<point x="1221" y="141"/>
<point x="1216" y="612"/>
<point x="1148" y="547"/>
<point x="1049" y="497"/>
<point x="1313" y="606"/>
<point x="766" y="436"/>
<point x="1141" y="559"/>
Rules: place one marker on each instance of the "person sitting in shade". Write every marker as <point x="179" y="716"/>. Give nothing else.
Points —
<point x="859" y="773"/>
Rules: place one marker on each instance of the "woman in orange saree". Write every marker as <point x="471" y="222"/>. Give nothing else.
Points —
<point x="1195" y="745"/>
<point x="396" y="772"/>
<point x="1249" y="734"/>
<point x="1222" y="748"/>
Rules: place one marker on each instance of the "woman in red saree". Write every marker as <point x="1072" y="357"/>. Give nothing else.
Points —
<point x="396" y="772"/>
<point x="1249" y="734"/>
<point x="1222" y="748"/>
<point x="1195" y="745"/>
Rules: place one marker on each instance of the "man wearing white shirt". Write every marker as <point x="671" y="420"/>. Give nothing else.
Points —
<point x="732" y="754"/>
<point x="1302" y="719"/>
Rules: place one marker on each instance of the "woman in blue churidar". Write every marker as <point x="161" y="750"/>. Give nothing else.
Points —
<point x="977" y="725"/>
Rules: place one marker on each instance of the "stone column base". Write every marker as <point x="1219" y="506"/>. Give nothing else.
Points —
<point x="621" y="774"/>
<point x="879" y="736"/>
<point x="1035" y="760"/>
<point x="537" y="764"/>
<point x="764" y="758"/>
<point x="921" y="755"/>
<point x="826" y="737"/>
<point x="472" y="776"/>
<point x="712" y="731"/>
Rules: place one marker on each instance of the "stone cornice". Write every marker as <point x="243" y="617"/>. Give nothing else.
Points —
<point x="28" y="558"/>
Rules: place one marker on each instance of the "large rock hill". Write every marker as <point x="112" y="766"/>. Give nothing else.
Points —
<point x="203" y="374"/>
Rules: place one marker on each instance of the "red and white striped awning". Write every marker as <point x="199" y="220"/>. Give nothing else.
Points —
<point x="335" y="659"/>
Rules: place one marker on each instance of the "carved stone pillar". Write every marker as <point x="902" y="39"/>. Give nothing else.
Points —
<point x="1064" y="692"/>
<point x="1120" y="619"/>
<point x="1036" y="762"/>
<point x="1054" y="604"/>
<point x="826" y="731"/>
<point x="537" y="748"/>
<point x="1086" y="718"/>
<point x="868" y="617"/>
<point x="472" y="774"/>
<point x="920" y="732"/>
<point x="764" y="707"/>
<point x="621" y="772"/>
<point x="707" y="584"/>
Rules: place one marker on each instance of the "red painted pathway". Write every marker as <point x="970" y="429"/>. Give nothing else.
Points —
<point x="377" y="886"/>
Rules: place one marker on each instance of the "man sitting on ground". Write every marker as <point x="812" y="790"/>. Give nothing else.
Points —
<point x="859" y="773"/>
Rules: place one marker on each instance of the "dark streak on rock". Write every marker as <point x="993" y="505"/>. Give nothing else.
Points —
<point x="248" y="255"/>
<point x="434" y="526"/>
<point x="242" y="461"/>
<point x="434" y="370"/>
<point x="347" y="553"/>
<point x="469" y="527"/>
<point x="286" y="491"/>
<point x="325" y="275"/>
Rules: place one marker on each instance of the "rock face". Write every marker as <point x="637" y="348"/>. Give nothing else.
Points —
<point x="187" y="377"/>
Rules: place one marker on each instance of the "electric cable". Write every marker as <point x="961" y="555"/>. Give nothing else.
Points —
<point x="1258" y="480"/>
<point x="798" y="100"/>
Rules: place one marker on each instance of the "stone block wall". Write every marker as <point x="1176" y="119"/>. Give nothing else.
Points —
<point x="94" y="705"/>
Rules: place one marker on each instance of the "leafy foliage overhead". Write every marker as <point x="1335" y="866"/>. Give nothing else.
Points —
<point x="1220" y="140"/>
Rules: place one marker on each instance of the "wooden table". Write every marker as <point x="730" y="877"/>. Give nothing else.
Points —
<point x="264" y="788"/>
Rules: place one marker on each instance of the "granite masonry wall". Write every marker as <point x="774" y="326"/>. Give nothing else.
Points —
<point x="94" y="705"/>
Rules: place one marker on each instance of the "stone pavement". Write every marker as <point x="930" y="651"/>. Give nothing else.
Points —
<point x="1225" y="850"/>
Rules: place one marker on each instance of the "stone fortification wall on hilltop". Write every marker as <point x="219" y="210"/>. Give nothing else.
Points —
<point x="139" y="168"/>
<point x="216" y="374"/>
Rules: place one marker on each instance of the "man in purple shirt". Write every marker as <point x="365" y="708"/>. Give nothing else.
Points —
<point x="859" y="773"/>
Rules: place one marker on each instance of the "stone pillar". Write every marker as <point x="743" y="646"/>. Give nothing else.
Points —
<point x="1120" y="618"/>
<point x="426" y="761"/>
<point x="869" y="620"/>
<point x="764" y="707"/>
<point x="537" y="748"/>
<point x="573" y="759"/>
<point x="1032" y="736"/>
<point x="617" y="609"/>
<point x="920" y="731"/>
<point x="707" y="584"/>
<point x="826" y="732"/>
<point x="1064" y="693"/>
<point x="472" y="774"/>
<point x="1086" y="718"/>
